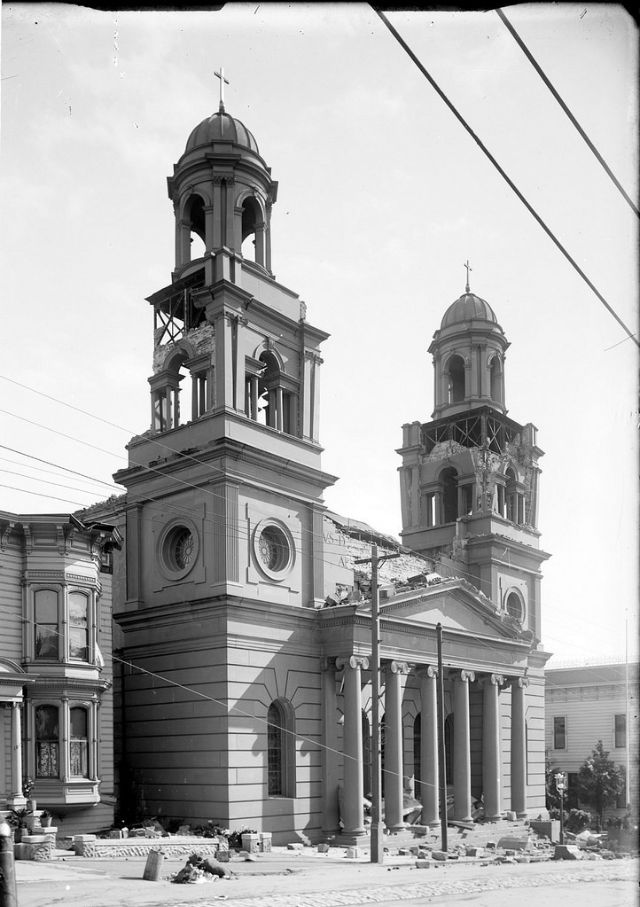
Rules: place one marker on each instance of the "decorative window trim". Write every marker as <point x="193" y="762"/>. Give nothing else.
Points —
<point x="281" y="750"/>
<point x="166" y="548"/>
<point x="275" y="533"/>
<point x="564" y="747"/>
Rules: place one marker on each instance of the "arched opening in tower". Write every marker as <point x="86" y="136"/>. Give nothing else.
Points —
<point x="449" y="480"/>
<point x="252" y="231"/>
<point x="456" y="379"/>
<point x="495" y="373"/>
<point x="194" y="214"/>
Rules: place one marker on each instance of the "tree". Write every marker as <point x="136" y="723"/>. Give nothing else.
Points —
<point x="600" y="780"/>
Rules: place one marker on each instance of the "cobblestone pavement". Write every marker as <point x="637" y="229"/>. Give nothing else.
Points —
<point x="614" y="872"/>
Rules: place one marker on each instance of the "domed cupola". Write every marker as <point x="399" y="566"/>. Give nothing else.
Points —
<point x="221" y="127"/>
<point x="468" y="356"/>
<point x="222" y="193"/>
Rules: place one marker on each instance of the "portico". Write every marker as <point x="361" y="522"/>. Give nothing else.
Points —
<point x="489" y="699"/>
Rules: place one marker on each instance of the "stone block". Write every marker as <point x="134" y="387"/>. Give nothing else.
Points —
<point x="567" y="852"/>
<point x="403" y="851"/>
<point x="439" y="855"/>
<point x="423" y="864"/>
<point x="296" y="846"/>
<point x="184" y="830"/>
<point x="514" y="842"/>
<point x="509" y="852"/>
<point x="490" y="845"/>
<point x="116" y="833"/>
<point x="353" y="853"/>
<point x="510" y="816"/>
<point x="472" y="851"/>
<point x="265" y="842"/>
<point x="323" y="848"/>
<point x="222" y="843"/>
<point x="223" y="856"/>
<point x="250" y="842"/>
<point x="83" y="839"/>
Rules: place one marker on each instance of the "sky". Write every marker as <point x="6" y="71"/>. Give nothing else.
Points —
<point x="382" y="198"/>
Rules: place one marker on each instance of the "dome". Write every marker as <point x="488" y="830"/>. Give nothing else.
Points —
<point x="468" y="307"/>
<point x="220" y="126"/>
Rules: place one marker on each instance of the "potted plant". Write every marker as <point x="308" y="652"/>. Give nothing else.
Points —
<point x="17" y="820"/>
<point x="46" y="818"/>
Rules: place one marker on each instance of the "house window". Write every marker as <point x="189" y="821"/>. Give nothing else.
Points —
<point x="79" y="743"/>
<point x="559" y="733"/>
<point x="47" y="742"/>
<point x="46" y="624"/>
<point x="78" y="626"/>
<point x="280" y="750"/>
<point x="620" y="731"/>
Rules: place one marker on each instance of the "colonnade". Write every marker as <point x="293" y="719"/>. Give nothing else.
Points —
<point x="393" y="673"/>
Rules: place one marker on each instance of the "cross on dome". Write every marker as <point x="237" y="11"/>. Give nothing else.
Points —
<point x="223" y="82"/>
<point x="467" y="288"/>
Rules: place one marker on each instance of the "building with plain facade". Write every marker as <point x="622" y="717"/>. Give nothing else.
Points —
<point x="587" y="704"/>
<point x="56" y="699"/>
<point x="245" y="691"/>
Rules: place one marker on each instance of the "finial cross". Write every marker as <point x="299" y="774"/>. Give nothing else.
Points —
<point x="469" y="268"/>
<point x="223" y="82"/>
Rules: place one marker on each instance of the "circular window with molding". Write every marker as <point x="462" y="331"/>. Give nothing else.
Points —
<point x="178" y="549"/>
<point x="515" y="607"/>
<point x="273" y="549"/>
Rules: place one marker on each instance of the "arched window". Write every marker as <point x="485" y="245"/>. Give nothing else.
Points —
<point x="47" y="726"/>
<point x="270" y="398"/>
<point x="79" y="743"/>
<point x="449" y="482"/>
<point x="194" y="215"/>
<point x="495" y="377"/>
<point x="45" y="644"/>
<point x="182" y="391"/>
<point x="417" y="748"/>
<point x="252" y="231"/>
<point x="78" y="626"/>
<point x="456" y="379"/>
<point x="281" y="779"/>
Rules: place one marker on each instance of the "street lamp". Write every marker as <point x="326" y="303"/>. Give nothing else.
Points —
<point x="560" y="780"/>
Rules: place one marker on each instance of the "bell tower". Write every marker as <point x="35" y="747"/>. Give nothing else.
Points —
<point x="225" y="487"/>
<point x="469" y="478"/>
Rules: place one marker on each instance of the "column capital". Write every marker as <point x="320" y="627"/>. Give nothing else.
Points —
<point x="327" y="663"/>
<point x="353" y="661"/>
<point x="429" y="671"/>
<point x="498" y="680"/>
<point x="398" y="667"/>
<point x="464" y="676"/>
<point x="521" y="682"/>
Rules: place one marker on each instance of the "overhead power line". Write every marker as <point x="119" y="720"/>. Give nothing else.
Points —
<point x="502" y="173"/>
<point x="577" y="125"/>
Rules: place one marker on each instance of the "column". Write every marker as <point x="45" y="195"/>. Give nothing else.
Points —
<point x="254" y="397"/>
<point x="428" y="791"/>
<point x="462" y="747"/>
<point x="65" y="737"/>
<point x="393" y="768"/>
<point x="92" y="741"/>
<point x="330" y="775"/>
<point x="518" y="746"/>
<point x="352" y="807"/>
<point x="491" y="746"/>
<point x="16" y="753"/>
<point x="279" y="404"/>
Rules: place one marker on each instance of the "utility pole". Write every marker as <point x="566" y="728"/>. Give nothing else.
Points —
<point x="442" y="755"/>
<point x="377" y="844"/>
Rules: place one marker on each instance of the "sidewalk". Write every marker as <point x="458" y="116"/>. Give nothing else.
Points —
<point x="290" y="879"/>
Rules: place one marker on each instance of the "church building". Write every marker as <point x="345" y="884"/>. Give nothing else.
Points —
<point x="244" y="624"/>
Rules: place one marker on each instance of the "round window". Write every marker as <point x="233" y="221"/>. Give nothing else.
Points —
<point x="273" y="549"/>
<point x="514" y="606"/>
<point x="179" y="550"/>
